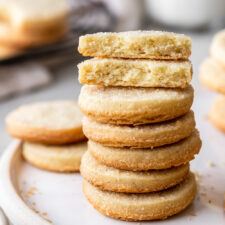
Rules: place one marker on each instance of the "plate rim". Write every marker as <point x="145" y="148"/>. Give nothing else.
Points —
<point x="18" y="212"/>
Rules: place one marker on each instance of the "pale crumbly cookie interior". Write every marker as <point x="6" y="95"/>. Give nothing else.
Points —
<point x="138" y="73"/>
<point x="136" y="44"/>
<point x="62" y="158"/>
<point x="140" y="159"/>
<point x="218" y="47"/>
<point x="56" y="122"/>
<point x="212" y="75"/>
<point x="217" y="113"/>
<point x="111" y="179"/>
<point x="142" y="136"/>
<point x="133" y="105"/>
<point x="138" y="207"/>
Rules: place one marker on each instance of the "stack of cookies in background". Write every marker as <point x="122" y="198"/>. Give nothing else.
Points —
<point x="136" y="100"/>
<point x="212" y="75"/>
<point x="26" y="24"/>
<point x="52" y="134"/>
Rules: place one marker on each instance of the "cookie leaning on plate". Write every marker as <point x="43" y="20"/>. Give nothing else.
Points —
<point x="137" y="207"/>
<point x="133" y="105"/>
<point x="56" y="122"/>
<point x="111" y="179"/>
<point x="61" y="158"/>
<point x="212" y="75"/>
<point x="138" y="73"/>
<point x="136" y="44"/>
<point x="141" y="159"/>
<point x="217" y="113"/>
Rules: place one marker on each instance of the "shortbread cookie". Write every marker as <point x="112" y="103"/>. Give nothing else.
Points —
<point x="28" y="23"/>
<point x="137" y="73"/>
<point x="217" y="113"/>
<point x="133" y="105"/>
<point x="137" y="207"/>
<point x="147" y="158"/>
<point x="142" y="136"/>
<point x="136" y="44"/>
<point x="7" y="52"/>
<point x="111" y="179"/>
<point x="212" y="75"/>
<point x="56" y="122"/>
<point x="218" y="47"/>
<point x="61" y="158"/>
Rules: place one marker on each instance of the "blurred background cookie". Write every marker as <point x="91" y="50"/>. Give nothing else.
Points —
<point x="212" y="75"/>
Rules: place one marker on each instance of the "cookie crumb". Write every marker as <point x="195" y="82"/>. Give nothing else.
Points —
<point x="33" y="203"/>
<point x="196" y="175"/>
<point x="211" y="164"/>
<point x="48" y="220"/>
<point x="209" y="201"/>
<point x="192" y="214"/>
<point x="31" y="191"/>
<point x="44" y="214"/>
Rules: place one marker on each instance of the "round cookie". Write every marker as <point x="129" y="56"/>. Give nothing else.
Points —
<point x="133" y="105"/>
<point x="148" y="158"/>
<point x="111" y="179"/>
<point x="217" y="113"/>
<point x="7" y="52"/>
<point x="56" y="122"/>
<point x="61" y="158"/>
<point x="212" y="75"/>
<point x="218" y="46"/>
<point x="138" y="207"/>
<point x="28" y="23"/>
<point x="142" y="136"/>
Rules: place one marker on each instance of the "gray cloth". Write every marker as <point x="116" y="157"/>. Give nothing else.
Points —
<point x="21" y="78"/>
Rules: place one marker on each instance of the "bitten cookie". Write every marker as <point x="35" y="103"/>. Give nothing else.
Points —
<point x="136" y="44"/>
<point x="63" y="158"/>
<point x="56" y="122"/>
<point x="132" y="105"/>
<point x="148" y="158"/>
<point x="217" y="113"/>
<point x="218" y="47"/>
<point x="137" y="207"/>
<point x="28" y="23"/>
<point x="142" y="136"/>
<point x="111" y="179"/>
<point x="212" y="75"/>
<point x="137" y="73"/>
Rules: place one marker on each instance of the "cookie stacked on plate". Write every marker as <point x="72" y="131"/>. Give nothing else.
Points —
<point x="136" y="100"/>
<point x="212" y="75"/>
<point x="52" y="134"/>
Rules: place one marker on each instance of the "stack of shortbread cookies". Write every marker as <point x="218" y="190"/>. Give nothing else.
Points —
<point x="212" y="75"/>
<point x="52" y="134"/>
<point x="136" y="100"/>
